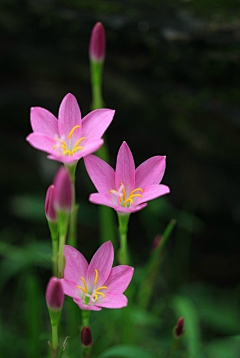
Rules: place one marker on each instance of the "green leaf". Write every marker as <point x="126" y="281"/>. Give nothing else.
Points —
<point x="125" y="352"/>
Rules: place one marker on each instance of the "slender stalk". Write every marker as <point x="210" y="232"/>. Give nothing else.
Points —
<point x="123" y="228"/>
<point x="54" y="258"/>
<point x="62" y="240"/>
<point x="55" y="336"/>
<point x="72" y="235"/>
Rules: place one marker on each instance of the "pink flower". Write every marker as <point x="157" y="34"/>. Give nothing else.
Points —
<point x="127" y="189"/>
<point x="69" y="138"/>
<point x="95" y="285"/>
<point x="54" y="294"/>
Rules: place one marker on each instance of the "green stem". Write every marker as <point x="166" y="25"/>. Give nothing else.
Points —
<point x="54" y="258"/>
<point x="85" y="318"/>
<point x="55" y="336"/>
<point x="123" y="228"/>
<point x="61" y="263"/>
<point x="96" y="69"/>
<point x="72" y="235"/>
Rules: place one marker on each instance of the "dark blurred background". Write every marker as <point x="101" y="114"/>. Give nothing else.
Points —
<point x="172" y="73"/>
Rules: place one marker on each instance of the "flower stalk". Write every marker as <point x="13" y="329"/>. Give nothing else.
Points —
<point x="123" y="254"/>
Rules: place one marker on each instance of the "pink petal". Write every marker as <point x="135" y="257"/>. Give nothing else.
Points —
<point x="86" y="307"/>
<point x="152" y="192"/>
<point x="41" y="141"/>
<point x="100" y="172"/>
<point x="43" y="121"/>
<point x="125" y="169"/>
<point x="102" y="199"/>
<point x="101" y="261"/>
<point x="113" y="300"/>
<point x="69" y="116"/>
<point x="70" y="289"/>
<point x="95" y="123"/>
<point x="91" y="147"/>
<point x="119" y="278"/>
<point x="150" y="172"/>
<point x="106" y="199"/>
<point x="76" y="265"/>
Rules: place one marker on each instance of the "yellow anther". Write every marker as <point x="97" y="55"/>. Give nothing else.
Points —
<point x="79" y="141"/>
<point x="60" y="140"/>
<point x="128" y="200"/>
<point x="101" y="288"/>
<point x="72" y="131"/>
<point x="84" y="282"/>
<point x="113" y="191"/>
<point x="55" y="146"/>
<point x="96" y="277"/>
<point x="138" y="189"/>
<point x="123" y="191"/>
<point x="99" y="293"/>
<point x="135" y="195"/>
<point x="82" y="289"/>
<point x="76" y="149"/>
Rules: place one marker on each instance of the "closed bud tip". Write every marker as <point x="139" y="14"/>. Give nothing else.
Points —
<point x="156" y="242"/>
<point x="62" y="198"/>
<point x="86" y="336"/>
<point x="54" y="294"/>
<point x="97" y="47"/>
<point x="179" y="327"/>
<point x="49" y="208"/>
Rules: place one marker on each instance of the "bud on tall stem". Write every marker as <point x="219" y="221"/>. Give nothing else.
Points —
<point x="51" y="216"/>
<point x="62" y="200"/>
<point x="97" y="46"/>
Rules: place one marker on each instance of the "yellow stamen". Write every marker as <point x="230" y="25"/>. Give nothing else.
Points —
<point x="60" y="140"/>
<point x="79" y="141"/>
<point x="96" y="277"/>
<point x="123" y="191"/>
<point x="101" y="288"/>
<point x="72" y="131"/>
<point x="67" y="152"/>
<point x="138" y="189"/>
<point x="99" y="293"/>
<point x="128" y="200"/>
<point x="113" y="191"/>
<point x="76" y="149"/>
<point x="135" y="195"/>
<point x="84" y="282"/>
<point x="82" y="289"/>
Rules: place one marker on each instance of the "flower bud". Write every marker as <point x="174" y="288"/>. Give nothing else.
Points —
<point x="179" y="327"/>
<point x="49" y="209"/>
<point x="86" y="336"/>
<point x="62" y="198"/>
<point x="54" y="294"/>
<point x="156" y="242"/>
<point x="97" y="45"/>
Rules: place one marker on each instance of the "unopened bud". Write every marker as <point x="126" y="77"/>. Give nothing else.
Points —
<point x="156" y="242"/>
<point x="97" y="47"/>
<point x="179" y="327"/>
<point x="86" y="336"/>
<point x="54" y="294"/>
<point x="62" y="198"/>
<point x="49" y="208"/>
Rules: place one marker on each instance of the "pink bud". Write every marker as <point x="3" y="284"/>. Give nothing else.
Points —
<point x="97" y="47"/>
<point x="86" y="336"/>
<point x="156" y="242"/>
<point x="62" y="198"/>
<point x="179" y="327"/>
<point x="49" y="209"/>
<point x="54" y="294"/>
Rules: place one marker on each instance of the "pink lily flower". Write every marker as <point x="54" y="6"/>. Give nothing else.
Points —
<point x="127" y="189"/>
<point x="69" y="138"/>
<point x="95" y="285"/>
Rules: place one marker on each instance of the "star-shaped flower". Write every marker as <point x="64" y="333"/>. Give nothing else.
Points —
<point x="69" y="138"/>
<point x="127" y="189"/>
<point x="98" y="284"/>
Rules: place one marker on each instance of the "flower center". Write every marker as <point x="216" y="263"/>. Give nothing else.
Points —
<point x="69" y="149"/>
<point x="92" y="296"/>
<point x="123" y="199"/>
